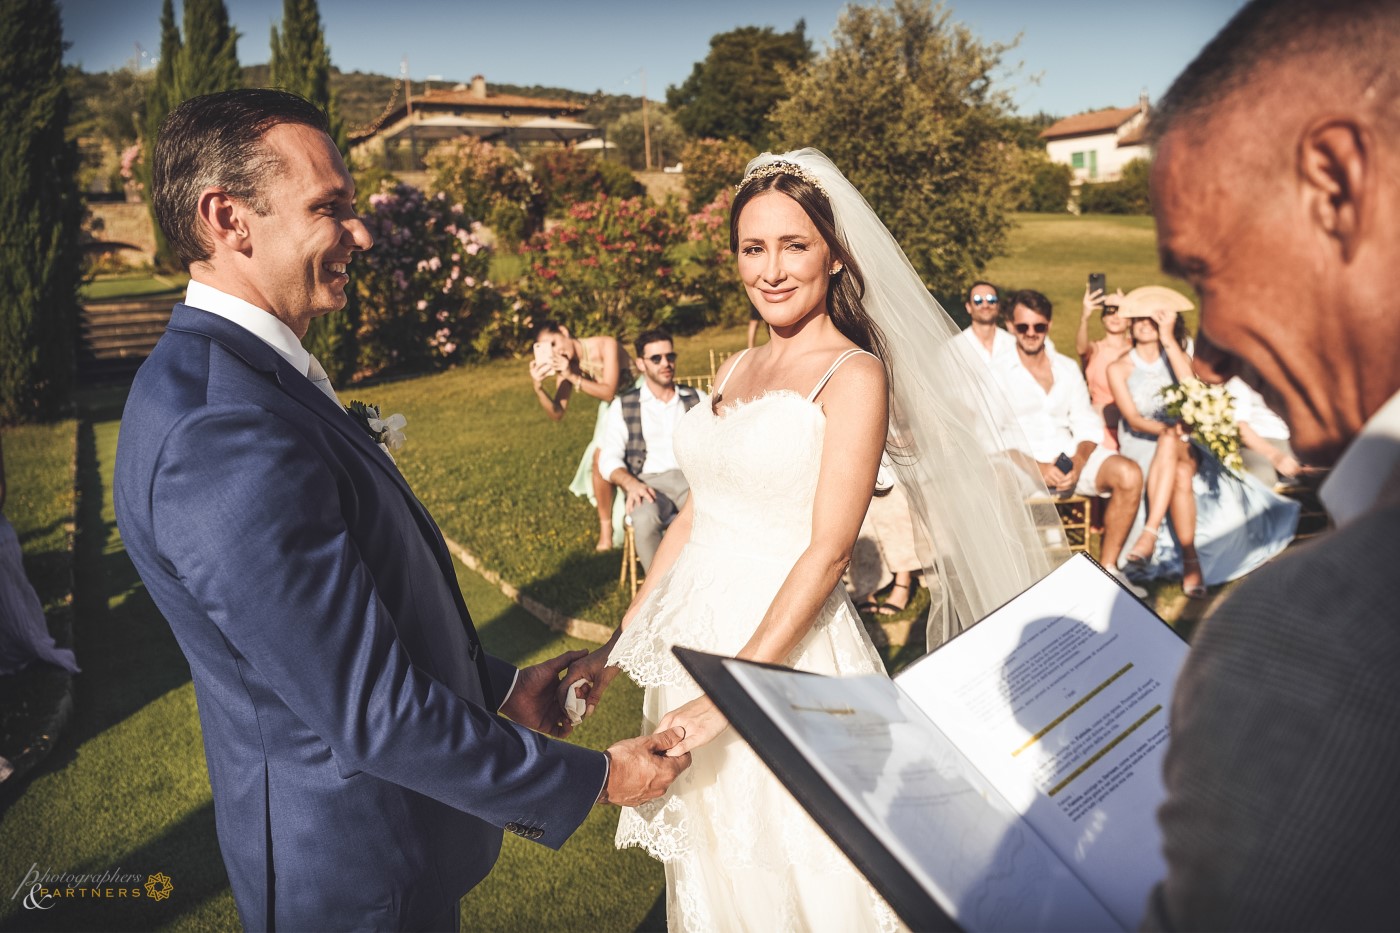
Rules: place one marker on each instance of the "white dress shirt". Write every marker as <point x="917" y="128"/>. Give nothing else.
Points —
<point x="1251" y="409"/>
<point x="1370" y="461"/>
<point x="1003" y="345"/>
<point x="261" y="324"/>
<point x="659" y="420"/>
<point x="1054" y="422"/>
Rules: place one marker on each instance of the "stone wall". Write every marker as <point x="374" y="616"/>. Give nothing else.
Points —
<point x="122" y="230"/>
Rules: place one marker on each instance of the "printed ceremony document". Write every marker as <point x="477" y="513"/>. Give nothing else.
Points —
<point x="1007" y="781"/>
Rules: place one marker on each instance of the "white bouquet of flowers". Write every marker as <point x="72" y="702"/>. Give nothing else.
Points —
<point x="1209" y="412"/>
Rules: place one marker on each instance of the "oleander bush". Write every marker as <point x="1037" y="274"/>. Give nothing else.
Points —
<point x="492" y="185"/>
<point x="423" y="290"/>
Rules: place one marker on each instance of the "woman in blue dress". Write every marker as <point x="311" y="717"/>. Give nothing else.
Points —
<point x="1198" y="520"/>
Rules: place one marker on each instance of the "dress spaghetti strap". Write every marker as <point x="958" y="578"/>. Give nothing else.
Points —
<point x="733" y="366"/>
<point x="821" y="384"/>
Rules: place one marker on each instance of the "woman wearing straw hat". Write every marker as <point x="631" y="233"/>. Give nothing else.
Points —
<point x="1221" y="525"/>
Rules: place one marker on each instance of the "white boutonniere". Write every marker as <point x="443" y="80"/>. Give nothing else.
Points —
<point x="386" y="432"/>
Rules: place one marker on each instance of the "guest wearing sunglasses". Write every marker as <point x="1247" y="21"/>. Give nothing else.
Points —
<point x="636" y="452"/>
<point x="1094" y="356"/>
<point x="987" y="340"/>
<point x="1050" y="399"/>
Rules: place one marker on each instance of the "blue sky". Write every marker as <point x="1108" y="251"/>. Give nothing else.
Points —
<point x="1073" y="55"/>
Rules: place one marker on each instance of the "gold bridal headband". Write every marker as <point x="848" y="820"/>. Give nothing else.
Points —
<point x="784" y="168"/>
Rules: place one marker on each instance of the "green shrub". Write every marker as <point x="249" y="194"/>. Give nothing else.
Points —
<point x="567" y="176"/>
<point x="605" y="268"/>
<point x="1047" y="185"/>
<point x="706" y="265"/>
<point x="1127" y="195"/>
<point x="423" y="290"/>
<point x="491" y="183"/>
<point x="712" y="165"/>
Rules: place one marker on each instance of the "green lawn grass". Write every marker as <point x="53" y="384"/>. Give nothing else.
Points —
<point x="139" y="285"/>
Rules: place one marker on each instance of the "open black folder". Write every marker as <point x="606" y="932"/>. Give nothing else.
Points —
<point x="1007" y="781"/>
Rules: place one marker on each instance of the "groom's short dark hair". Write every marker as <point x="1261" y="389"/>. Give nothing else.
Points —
<point x="655" y="335"/>
<point x="215" y="141"/>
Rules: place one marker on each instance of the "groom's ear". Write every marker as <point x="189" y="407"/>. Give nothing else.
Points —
<point x="224" y="220"/>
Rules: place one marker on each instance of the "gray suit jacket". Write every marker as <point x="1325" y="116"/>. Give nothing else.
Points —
<point x="1283" y="774"/>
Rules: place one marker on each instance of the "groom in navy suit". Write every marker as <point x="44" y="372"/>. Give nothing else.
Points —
<point x="365" y="752"/>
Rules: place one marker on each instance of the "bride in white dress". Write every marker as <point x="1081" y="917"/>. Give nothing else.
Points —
<point x="782" y="466"/>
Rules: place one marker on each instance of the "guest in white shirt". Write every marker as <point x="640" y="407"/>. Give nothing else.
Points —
<point x="636" y="452"/>
<point x="985" y="336"/>
<point x="1062" y="430"/>
<point x="1264" y="437"/>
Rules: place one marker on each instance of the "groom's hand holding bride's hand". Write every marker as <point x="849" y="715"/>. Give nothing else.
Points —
<point x="699" y="721"/>
<point x="536" y="702"/>
<point x="641" y="769"/>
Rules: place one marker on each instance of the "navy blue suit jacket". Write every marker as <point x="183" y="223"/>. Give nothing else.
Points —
<point x="361" y="776"/>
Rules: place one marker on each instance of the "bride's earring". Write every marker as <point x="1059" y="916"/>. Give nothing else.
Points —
<point x="835" y="269"/>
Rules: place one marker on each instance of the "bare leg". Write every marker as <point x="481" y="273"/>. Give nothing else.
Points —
<point x="899" y="592"/>
<point x="603" y="492"/>
<point x="1184" y="521"/>
<point x="1161" y="478"/>
<point x="1123" y="479"/>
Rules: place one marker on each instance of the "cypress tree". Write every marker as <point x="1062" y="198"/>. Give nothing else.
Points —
<point x="208" y="60"/>
<point x="301" y="63"/>
<point x="162" y="97"/>
<point x="40" y="214"/>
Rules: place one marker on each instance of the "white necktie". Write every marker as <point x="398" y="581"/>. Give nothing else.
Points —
<point x="317" y="374"/>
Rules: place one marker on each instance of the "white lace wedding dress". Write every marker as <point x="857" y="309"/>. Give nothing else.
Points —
<point x="740" y="852"/>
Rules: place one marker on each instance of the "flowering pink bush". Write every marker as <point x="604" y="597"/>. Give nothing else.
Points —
<point x="423" y="288"/>
<point x="706" y="264"/>
<point x="606" y="267"/>
<point x="493" y="184"/>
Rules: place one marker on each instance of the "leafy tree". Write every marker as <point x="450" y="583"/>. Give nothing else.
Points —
<point x="161" y="97"/>
<point x="567" y="176"/>
<point x="301" y="61"/>
<point x="208" y="60"/>
<point x="731" y="93"/>
<point x="1127" y="195"/>
<point x="40" y="213"/>
<point x="712" y="165"/>
<point x="903" y="103"/>
<point x="667" y="138"/>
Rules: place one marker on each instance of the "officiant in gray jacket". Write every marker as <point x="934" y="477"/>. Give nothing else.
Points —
<point x="1276" y="187"/>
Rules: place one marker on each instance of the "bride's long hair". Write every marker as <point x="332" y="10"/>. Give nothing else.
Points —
<point x="845" y="289"/>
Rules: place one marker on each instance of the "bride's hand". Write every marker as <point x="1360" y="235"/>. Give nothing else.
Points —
<point x="593" y="670"/>
<point x="701" y="721"/>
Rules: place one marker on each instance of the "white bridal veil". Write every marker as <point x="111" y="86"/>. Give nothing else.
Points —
<point x="983" y="521"/>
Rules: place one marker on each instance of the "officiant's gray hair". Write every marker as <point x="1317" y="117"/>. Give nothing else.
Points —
<point x="215" y="141"/>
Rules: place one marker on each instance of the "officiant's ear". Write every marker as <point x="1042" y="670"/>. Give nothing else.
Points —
<point x="224" y="219"/>
<point x="1335" y="163"/>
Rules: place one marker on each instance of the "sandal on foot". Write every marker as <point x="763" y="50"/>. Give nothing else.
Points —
<point x="1190" y="566"/>
<point x="889" y="607"/>
<point x="872" y="608"/>
<point x="1143" y="547"/>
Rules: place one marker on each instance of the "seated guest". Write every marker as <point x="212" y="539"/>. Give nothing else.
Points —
<point x="985" y="337"/>
<point x="1094" y="356"/>
<point x="1264" y="437"/>
<point x="24" y="632"/>
<point x="1222" y="526"/>
<point x="636" y="449"/>
<point x="1048" y="395"/>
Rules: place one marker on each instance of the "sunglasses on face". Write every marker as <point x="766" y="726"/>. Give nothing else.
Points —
<point x="1110" y="310"/>
<point x="656" y="358"/>
<point x="984" y="299"/>
<point x="1038" y="328"/>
